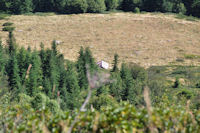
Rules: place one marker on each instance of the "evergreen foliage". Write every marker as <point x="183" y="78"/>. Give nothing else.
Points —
<point x="11" y="44"/>
<point x="115" y="63"/>
<point x="13" y="75"/>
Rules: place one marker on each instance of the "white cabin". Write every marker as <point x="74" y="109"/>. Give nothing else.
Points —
<point x="103" y="64"/>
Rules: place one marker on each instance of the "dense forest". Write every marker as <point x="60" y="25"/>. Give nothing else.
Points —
<point x="43" y="92"/>
<point x="188" y="7"/>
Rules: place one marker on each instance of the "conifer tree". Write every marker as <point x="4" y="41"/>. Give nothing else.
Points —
<point x="72" y="79"/>
<point x="115" y="64"/>
<point x="83" y="82"/>
<point x="89" y="60"/>
<point x="35" y="77"/>
<point x="11" y="43"/>
<point x="72" y="86"/>
<point x="54" y="47"/>
<point x="13" y="75"/>
<point x="22" y="63"/>
<point x="127" y="81"/>
<point x="116" y="86"/>
<point x="54" y="75"/>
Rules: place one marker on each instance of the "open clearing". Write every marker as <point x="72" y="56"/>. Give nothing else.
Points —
<point x="145" y="39"/>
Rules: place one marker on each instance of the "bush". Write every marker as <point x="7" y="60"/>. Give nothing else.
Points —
<point x="8" y="28"/>
<point x="53" y="106"/>
<point x="137" y="10"/>
<point x="96" y="6"/>
<point x="39" y="101"/>
<point x="176" y="83"/>
<point x="179" y="8"/>
<point x="76" y="6"/>
<point x="167" y="6"/>
<point x="7" y="24"/>
<point x="111" y="4"/>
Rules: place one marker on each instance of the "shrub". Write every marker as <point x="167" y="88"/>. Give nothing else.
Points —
<point x="76" y="6"/>
<point x="53" y="106"/>
<point x="137" y="10"/>
<point x="8" y="28"/>
<point x="111" y="4"/>
<point x="96" y="6"/>
<point x="39" y="101"/>
<point x="167" y="6"/>
<point x="7" y="24"/>
<point x="176" y="83"/>
<point x="188" y="94"/>
<point x="179" y="8"/>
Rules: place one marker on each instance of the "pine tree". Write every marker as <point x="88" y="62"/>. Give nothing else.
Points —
<point x="11" y="43"/>
<point x="35" y="77"/>
<point x="72" y="86"/>
<point x="81" y="69"/>
<point x="72" y="79"/>
<point x="116" y="87"/>
<point x="13" y="75"/>
<point x="115" y="66"/>
<point x="22" y="63"/>
<point x="54" y="47"/>
<point x="89" y="60"/>
<point x="127" y="81"/>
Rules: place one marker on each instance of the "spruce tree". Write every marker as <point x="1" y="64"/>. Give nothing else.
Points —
<point x="13" y="75"/>
<point x="115" y="64"/>
<point x="52" y="71"/>
<point x="73" y="88"/>
<point x="127" y="81"/>
<point x="35" y="77"/>
<point x="22" y="63"/>
<point x="54" y="47"/>
<point x="81" y="68"/>
<point x="89" y="60"/>
<point x="72" y="79"/>
<point x="11" y="43"/>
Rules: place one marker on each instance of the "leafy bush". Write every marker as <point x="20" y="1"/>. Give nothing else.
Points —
<point x="8" y="28"/>
<point x="7" y="24"/>
<point x="111" y="4"/>
<point x="39" y="101"/>
<point x="167" y="6"/>
<point x="76" y="6"/>
<point x="179" y="8"/>
<point x="137" y="10"/>
<point x="53" y="106"/>
<point x="96" y="6"/>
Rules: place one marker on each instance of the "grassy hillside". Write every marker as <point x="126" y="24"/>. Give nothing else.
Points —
<point x="145" y="39"/>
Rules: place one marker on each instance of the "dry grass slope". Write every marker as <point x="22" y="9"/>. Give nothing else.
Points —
<point x="145" y="39"/>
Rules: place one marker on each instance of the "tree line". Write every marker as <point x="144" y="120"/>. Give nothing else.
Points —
<point x="188" y="7"/>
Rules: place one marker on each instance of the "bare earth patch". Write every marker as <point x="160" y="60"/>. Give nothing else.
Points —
<point x="145" y="39"/>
